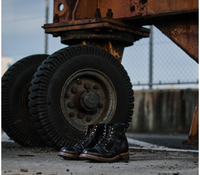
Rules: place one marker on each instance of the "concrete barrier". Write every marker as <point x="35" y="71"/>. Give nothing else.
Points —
<point x="163" y="111"/>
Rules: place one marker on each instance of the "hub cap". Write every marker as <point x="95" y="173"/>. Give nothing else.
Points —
<point x="88" y="97"/>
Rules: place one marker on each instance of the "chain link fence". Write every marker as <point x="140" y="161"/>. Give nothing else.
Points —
<point x="171" y="66"/>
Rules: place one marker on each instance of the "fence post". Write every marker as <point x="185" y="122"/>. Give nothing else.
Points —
<point x="46" y="21"/>
<point x="151" y="57"/>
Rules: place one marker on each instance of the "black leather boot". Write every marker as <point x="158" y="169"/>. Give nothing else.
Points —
<point x="91" y="138"/>
<point x="112" y="147"/>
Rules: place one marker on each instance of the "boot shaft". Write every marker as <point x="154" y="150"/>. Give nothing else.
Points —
<point x="93" y="134"/>
<point x="118" y="136"/>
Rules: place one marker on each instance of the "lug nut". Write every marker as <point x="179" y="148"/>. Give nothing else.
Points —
<point x="109" y="14"/>
<point x="80" y="115"/>
<point x="100" y="105"/>
<point x="74" y="90"/>
<point x="87" y="86"/>
<point x="96" y="87"/>
<point x="71" y="114"/>
<point x="71" y="104"/>
<point x="97" y="13"/>
<point x="88" y="119"/>
<point x="78" y="81"/>
<point x="66" y="95"/>
<point x="93" y="111"/>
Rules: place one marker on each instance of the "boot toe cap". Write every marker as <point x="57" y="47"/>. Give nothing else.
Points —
<point x="92" y="151"/>
<point x="70" y="150"/>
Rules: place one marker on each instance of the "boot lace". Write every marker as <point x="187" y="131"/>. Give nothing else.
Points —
<point x="88" y="135"/>
<point x="106" y="139"/>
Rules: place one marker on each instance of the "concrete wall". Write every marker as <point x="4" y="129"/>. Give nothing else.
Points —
<point x="163" y="111"/>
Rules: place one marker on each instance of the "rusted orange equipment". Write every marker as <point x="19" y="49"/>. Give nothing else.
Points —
<point x="193" y="137"/>
<point x="115" y="24"/>
<point x="83" y="85"/>
<point x="177" y="19"/>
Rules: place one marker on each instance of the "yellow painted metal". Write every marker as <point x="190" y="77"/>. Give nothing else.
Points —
<point x="193" y="138"/>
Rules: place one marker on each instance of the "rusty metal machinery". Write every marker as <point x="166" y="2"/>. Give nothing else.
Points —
<point x="177" y="19"/>
<point x="193" y="137"/>
<point x="75" y="24"/>
<point x="85" y="83"/>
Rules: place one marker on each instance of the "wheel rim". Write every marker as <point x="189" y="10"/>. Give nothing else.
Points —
<point x="88" y="97"/>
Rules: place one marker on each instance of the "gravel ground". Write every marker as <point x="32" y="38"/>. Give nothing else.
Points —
<point x="17" y="160"/>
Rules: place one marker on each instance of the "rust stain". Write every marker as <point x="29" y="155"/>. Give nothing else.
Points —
<point x="161" y="6"/>
<point x="117" y="52"/>
<point x="113" y="48"/>
<point x="64" y="14"/>
<point x="80" y="14"/>
<point x="184" y="33"/>
<point x="86" y="9"/>
<point x="123" y="8"/>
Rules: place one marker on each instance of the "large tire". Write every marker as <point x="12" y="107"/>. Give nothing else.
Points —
<point x="16" y="121"/>
<point x="78" y="86"/>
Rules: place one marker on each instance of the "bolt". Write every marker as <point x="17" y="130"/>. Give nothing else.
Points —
<point x="96" y="87"/>
<point x="93" y="111"/>
<point x="74" y="90"/>
<point x="87" y="86"/>
<point x="66" y="95"/>
<point x="78" y="81"/>
<point x="97" y="13"/>
<point x="100" y="105"/>
<point x="80" y="115"/>
<point x="82" y="98"/>
<point x="71" y="104"/>
<point x="109" y="14"/>
<point x="88" y="119"/>
<point x="71" y="114"/>
<point x="56" y="18"/>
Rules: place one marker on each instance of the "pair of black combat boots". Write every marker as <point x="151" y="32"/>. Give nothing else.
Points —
<point x="102" y="142"/>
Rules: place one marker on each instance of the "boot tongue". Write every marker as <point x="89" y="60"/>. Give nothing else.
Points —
<point x="89" y="128"/>
<point x="107" y="135"/>
<point x="88" y="131"/>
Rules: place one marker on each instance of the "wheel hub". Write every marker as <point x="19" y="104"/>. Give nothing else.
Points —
<point x="89" y="100"/>
<point x="88" y="97"/>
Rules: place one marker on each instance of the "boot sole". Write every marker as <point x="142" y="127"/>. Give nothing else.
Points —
<point x="125" y="156"/>
<point x="68" y="155"/>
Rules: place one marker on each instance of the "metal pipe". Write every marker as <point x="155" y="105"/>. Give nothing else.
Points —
<point x="46" y="21"/>
<point x="151" y="58"/>
<point x="160" y="83"/>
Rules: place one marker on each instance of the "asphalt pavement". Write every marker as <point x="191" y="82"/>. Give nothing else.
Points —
<point x="146" y="158"/>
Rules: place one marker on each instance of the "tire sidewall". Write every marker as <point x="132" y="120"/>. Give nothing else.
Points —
<point x="15" y="116"/>
<point x="69" y="67"/>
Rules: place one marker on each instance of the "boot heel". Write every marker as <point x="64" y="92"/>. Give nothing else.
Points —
<point x="125" y="156"/>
